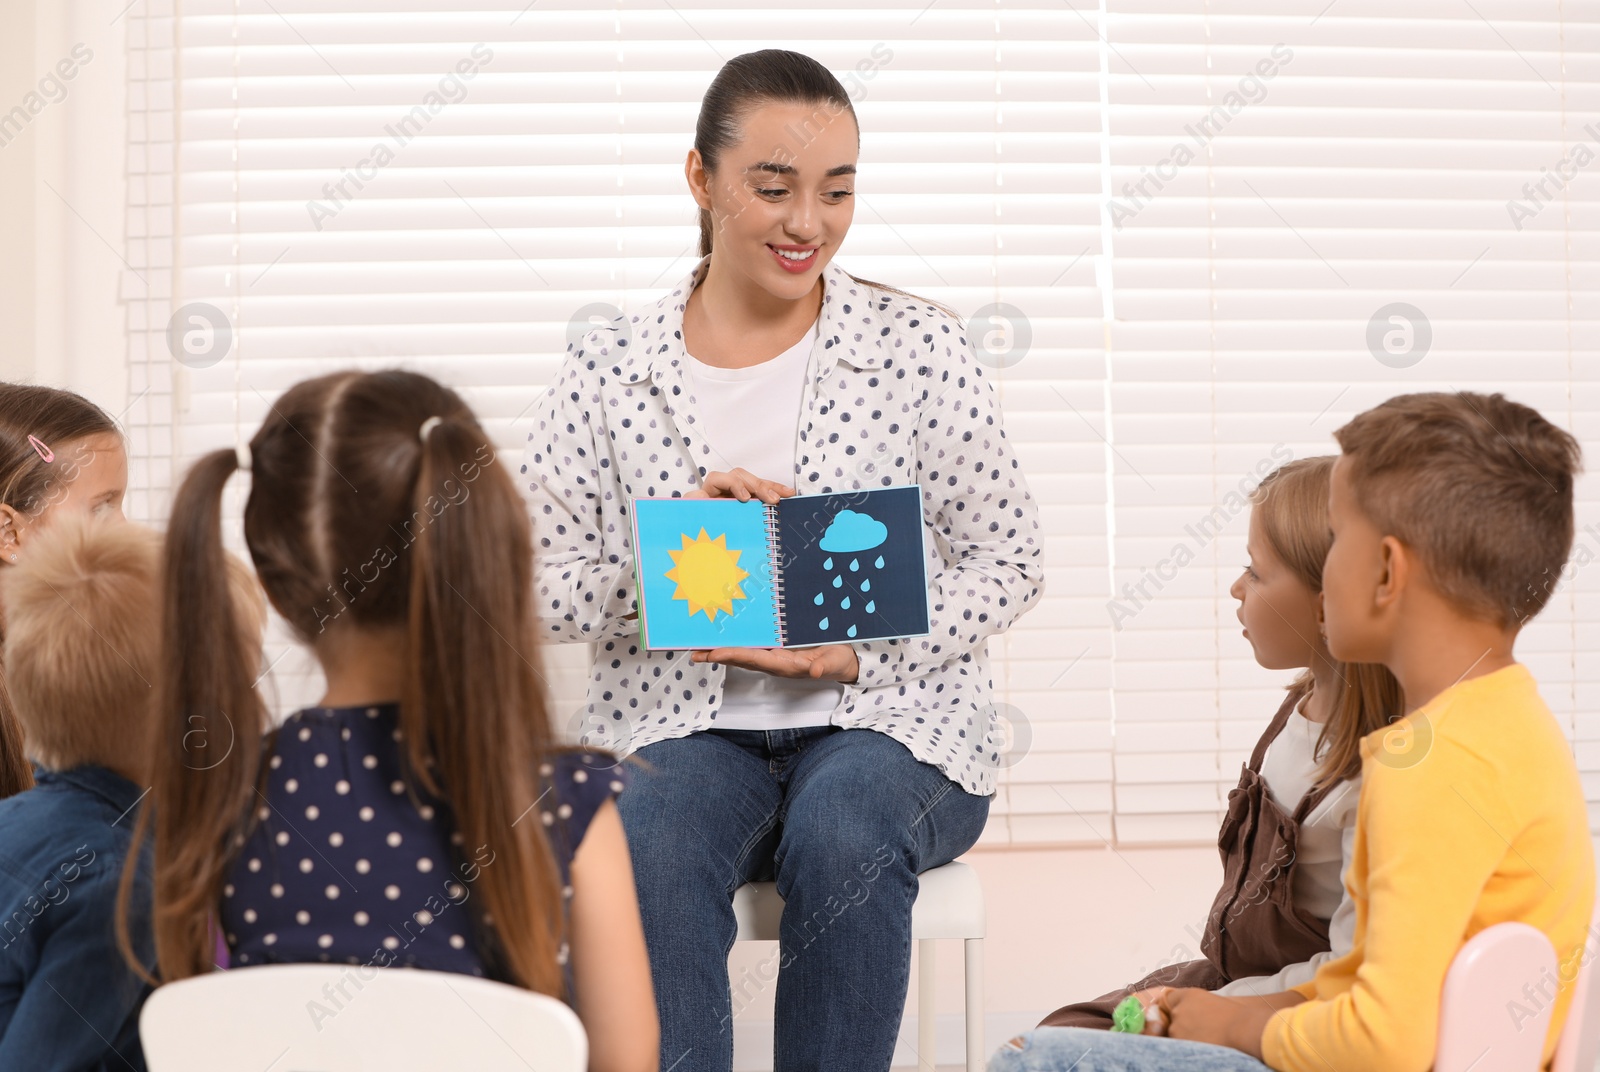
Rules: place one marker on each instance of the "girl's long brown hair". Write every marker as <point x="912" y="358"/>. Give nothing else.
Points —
<point x="1292" y="503"/>
<point x="15" y="772"/>
<point x="353" y="520"/>
<point x="30" y="485"/>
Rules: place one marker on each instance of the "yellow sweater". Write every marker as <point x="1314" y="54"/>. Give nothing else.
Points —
<point x="1471" y="814"/>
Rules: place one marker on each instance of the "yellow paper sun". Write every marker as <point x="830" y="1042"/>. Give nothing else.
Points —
<point x="707" y="574"/>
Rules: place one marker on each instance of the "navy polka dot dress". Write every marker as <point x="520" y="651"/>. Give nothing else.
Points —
<point x="349" y="864"/>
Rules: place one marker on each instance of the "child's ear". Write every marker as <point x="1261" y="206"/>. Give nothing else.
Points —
<point x="10" y="532"/>
<point x="1396" y="569"/>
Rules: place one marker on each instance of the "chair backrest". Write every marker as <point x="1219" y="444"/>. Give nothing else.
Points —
<point x="1487" y="1022"/>
<point x="350" y="1018"/>
<point x="1579" y="1048"/>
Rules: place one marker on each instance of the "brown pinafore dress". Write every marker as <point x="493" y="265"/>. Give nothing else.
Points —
<point x="1255" y="927"/>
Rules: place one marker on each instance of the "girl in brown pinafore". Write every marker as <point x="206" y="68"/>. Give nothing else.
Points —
<point x="1287" y="834"/>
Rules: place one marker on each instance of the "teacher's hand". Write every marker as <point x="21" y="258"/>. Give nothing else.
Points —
<point x="740" y="484"/>
<point x="836" y="662"/>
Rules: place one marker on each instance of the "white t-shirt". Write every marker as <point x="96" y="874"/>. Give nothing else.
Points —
<point x="1327" y="839"/>
<point x="751" y="419"/>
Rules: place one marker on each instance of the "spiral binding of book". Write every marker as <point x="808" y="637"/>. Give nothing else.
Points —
<point x="775" y="560"/>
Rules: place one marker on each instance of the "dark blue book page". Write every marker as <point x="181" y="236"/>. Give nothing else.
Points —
<point x="852" y="566"/>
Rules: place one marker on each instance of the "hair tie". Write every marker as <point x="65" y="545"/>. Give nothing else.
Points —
<point x="427" y="426"/>
<point x="241" y="456"/>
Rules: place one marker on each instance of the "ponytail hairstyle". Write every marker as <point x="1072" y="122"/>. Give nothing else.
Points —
<point x="1292" y="503"/>
<point x="354" y="520"/>
<point x="57" y="420"/>
<point x="770" y="76"/>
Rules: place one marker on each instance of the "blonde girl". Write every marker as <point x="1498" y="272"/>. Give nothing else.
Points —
<point x="1290" y="827"/>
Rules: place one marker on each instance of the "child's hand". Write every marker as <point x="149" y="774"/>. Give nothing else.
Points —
<point x="1195" y="1014"/>
<point x="1155" y="1022"/>
<point x="1201" y="1016"/>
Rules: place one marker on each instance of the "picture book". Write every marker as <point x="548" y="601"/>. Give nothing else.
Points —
<point x="812" y="569"/>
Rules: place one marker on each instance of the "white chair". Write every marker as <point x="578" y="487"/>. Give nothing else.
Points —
<point x="949" y="905"/>
<point x="1488" y="1022"/>
<point x="345" y="1018"/>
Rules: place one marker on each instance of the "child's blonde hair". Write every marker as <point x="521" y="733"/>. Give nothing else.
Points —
<point x="82" y="631"/>
<point x="1292" y="505"/>
<point x="81" y="641"/>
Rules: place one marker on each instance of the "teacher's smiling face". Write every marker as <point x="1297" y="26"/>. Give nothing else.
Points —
<point x="782" y="197"/>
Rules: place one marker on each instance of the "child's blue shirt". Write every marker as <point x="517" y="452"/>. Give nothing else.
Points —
<point x="68" y="999"/>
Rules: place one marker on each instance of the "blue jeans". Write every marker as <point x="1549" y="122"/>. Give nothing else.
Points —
<point x="843" y="820"/>
<point x="1057" y="1049"/>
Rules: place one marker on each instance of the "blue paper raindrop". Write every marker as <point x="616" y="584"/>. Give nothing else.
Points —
<point x="823" y="624"/>
<point x="838" y="581"/>
<point x="851" y="631"/>
<point x="866" y="585"/>
<point x="872" y="605"/>
<point x="879" y="563"/>
<point x="827" y="563"/>
<point x="844" y="604"/>
<point x="818" y="600"/>
<point x="855" y="564"/>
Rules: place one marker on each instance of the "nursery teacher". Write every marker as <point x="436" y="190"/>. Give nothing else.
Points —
<point x="840" y="771"/>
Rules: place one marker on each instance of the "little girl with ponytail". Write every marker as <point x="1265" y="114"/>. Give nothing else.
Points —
<point x="419" y="815"/>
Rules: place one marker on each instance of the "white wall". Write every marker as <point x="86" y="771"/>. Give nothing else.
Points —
<point x="64" y="191"/>
<point x="16" y="198"/>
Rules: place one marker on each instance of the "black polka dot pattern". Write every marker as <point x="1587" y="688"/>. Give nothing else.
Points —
<point x="898" y="399"/>
<point x="349" y="864"/>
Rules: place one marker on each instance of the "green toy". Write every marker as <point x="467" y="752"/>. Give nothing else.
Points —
<point x="1128" y="1016"/>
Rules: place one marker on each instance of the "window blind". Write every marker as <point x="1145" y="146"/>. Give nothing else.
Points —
<point x="369" y="183"/>
<point x="1284" y="180"/>
<point x="147" y="285"/>
<point x="380" y="183"/>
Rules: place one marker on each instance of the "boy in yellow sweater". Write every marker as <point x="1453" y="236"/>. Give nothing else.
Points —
<point x="1452" y="518"/>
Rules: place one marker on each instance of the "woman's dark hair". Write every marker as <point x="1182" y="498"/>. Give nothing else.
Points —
<point x="772" y="75"/>
<point x="56" y="420"/>
<point x="746" y="82"/>
<point x="355" y="520"/>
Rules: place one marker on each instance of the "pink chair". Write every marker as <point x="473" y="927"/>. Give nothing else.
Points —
<point x="1495" y="1010"/>
<point x="1579" y="1048"/>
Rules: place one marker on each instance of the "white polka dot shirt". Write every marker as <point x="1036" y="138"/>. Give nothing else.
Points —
<point x="896" y="398"/>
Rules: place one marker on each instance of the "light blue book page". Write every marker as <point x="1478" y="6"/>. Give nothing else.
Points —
<point x="704" y="574"/>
